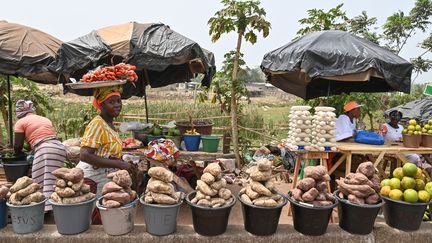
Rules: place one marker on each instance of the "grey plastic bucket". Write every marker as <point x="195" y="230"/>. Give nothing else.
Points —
<point x="160" y="219"/>
<point x="73" y="218"/>
<point x="118" y="221"/>
<point x="27" y="218"/>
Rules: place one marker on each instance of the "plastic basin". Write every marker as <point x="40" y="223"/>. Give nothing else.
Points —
<point x="352" y="215"/>
<point x="27" y="218"/>
<point x="160" y="219"/>
<point x="209" y="221"/>
<point x="16" y="170"/>
<point x="118" y="221"/>
<point x="310" y="220"/>
<point x="73" y="218"/>
<point x="202" y="127"/>
<point x="192" y="142"/>
<point x="403" y="215"/>
<point x="261" y="220"/>
<point x="210" y="143"/>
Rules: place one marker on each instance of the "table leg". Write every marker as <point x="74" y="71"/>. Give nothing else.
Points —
<point x="296" y="172"/>
<point x="402" y="158"/>
<point x="348" y="163"/>
<point x="335" y="166"/>
<point x="324" y="163"/>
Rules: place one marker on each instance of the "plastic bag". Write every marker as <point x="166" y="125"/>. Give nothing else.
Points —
<point x="369" y="138"/>
<point x="131" y="126"/>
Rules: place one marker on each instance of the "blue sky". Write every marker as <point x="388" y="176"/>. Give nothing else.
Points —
<point x="68" y="20"/>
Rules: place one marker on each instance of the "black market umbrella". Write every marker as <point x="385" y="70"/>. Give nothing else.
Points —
<point x="421" y="110"/>
<point x="161" y="55"/>
<point x="26" y="52"/>
<point x="334" y="62"/>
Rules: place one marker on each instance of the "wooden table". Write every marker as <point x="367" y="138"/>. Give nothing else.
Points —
<point x="348" y="149"/>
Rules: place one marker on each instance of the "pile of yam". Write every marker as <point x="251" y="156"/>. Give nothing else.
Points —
<point x="160" y="189"/>
<point x="211" y="189"/>
<point x="361" y="187"/>
<point x="70" y="187"/>
<point x="24" y="192"/>
<point x="118" y="192"/>
<point x="259" y="190"/>
<point x="313" y="188"/>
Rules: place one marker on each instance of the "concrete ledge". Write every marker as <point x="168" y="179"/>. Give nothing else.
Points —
<point x="234" y="233"/>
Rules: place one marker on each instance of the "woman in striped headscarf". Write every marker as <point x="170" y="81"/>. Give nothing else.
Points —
<point x="49" y="152"/>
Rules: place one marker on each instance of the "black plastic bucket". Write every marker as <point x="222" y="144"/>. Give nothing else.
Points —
<point x="16" y="170"/>
<point x="261" y="220"/>
<point x="13" y="159"/>
<point x="352" y="216"/>
<point x="403" y="215"/>
<point x="310" y="220"/>
<point x="209" y="221"/>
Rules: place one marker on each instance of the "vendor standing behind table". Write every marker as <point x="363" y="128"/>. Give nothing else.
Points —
<point x="346" y="124"/>
<point x="49" y="152"/>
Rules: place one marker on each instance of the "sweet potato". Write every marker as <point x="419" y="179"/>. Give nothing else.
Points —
<point x="264" y="165"/>
<point x="148" y="198"/>
<point x="204" y="188"/>
<point x="321" y="186"/>
<point x="321" y="197"/>
<point x="121" y="196"/>
<point x="110" y="187"/>
<point x="260" y="188"/>
<point x="160" y="187"/>
<point x="61" y="183"/>
<point x="251" y="193"/>
<point x="82" y="198"/>
<point x="122" y="178"/>
<point x="257" y="175"/>
<point x="329" y="197"/>
<point x="132" y="193"/>
<point x="265" y="202"/>
<point x="163" y="199"/>
<point x="214" y="169"/>
<point x="373" y="199"/>
<point x="366" y="168"/>
<point x="198" y="196"/>
<point x="356" y="200"/>
<point x="310" y="195"/>
<point x="85" y="188"/>
<point x="110" y="203"/>
<point x="297" y="194"/>
<point x="208" y="178"/>
<point x="322" y="203"/>
<point x="77" y="186"/>
<point x="35" y="197"/>
<point x="73" y="175"/>
<point x="3" y="192"/>
<point x="357" y="179"/>
<point x="204" y="202"/>
<point x="224" y="193"/>
<point x="64" y="192"/>
<point x="56" y="198"/>
<point x="360" y="191"/>
<point x="315" y="172"/>
<point x="306" y="184"/>
<point x="246" y="199"/>
<point x="270" y="184"/>
<point x="28" y="190"/>
<point x="276" y="197"/>
<point x="15" y="200"/>
<point x="161" y="173"/>
<point x="217" y="200"/>
<point x="20" y="184"/>
<point x="375" y="183"/>
<point x="217" y="185"/>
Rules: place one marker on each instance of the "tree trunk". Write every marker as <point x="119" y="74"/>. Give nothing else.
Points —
<point x="234" y="117"/>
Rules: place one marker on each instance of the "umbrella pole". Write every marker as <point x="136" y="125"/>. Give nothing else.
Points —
<point x="10" y="112"/>
<point x="145" y="104"/>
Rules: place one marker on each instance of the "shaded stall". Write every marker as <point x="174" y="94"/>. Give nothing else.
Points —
<point x="334" y="62"/>
<point x="26" y="52"/>
<point x="161" y="55"/>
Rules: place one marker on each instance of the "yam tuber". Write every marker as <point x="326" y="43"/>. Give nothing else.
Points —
<point x="61" y="183"/>
<point x="161" y="173"/>
<point x="251" y="193"/>
<point x="224" y="193"/>
<point x="260" y="188"/>
<point x="208" y="178"/>
<point x="217" y="200"/>
<point x="372" y="199"/>
<point x="28" y="190"/>
<point x="366" y="168"/>
<point x="265" y="202"/>
<point x="159" y="186"/>
<point x="321" y="186"/>
<point x="85" y="188"/>
<point x="15" y="200"/>
<point x="246" y="199"/>
<point x="121" y="196"/>
<point x="64" y="192"/>
<point x="35" y="197"/>
<point x="204" y="188"/>
<point x="82" y="198"/>
<point x="321" y="197"/>
<point x="356" y="200"/>
<point x="264" y="165"/>
<point x="217" y="185"/>
<point x="162" y="198"/>
<point x="214" y="169"/>
<point x="21" y="183"/>
<point x="360" y="191"/>
<point x="56" y="198"/>
<point x="375" y="183"/>
<point x="297" y="194"/>
<point x="77" y="186"/>
<point x="110" y="187"/>
<point x="270" y="184"/>
<point x="306" y="184"/>
<point x="257" y="175"/>
<point x="204" y="202"/>
<point x="148" y="198"/>
<point x="122" y="178"/>
<point x="322" y="203"/>
<point x="315" y="172"/>
<point x="310" y="195"/>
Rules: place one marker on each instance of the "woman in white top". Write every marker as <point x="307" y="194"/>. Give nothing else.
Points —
<point x="346" y="123"/>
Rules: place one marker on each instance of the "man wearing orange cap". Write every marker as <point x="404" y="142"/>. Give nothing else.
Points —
<point x="346" y="123"/>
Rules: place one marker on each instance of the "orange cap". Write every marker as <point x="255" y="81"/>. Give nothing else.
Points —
<point x="350" y="106"/>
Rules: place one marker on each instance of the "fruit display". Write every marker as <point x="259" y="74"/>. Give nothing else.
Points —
<point x="192" y="132"/>
<point x="131" y="143"/>
<point x="312" y="189"/>
<point x="121" y="71"/>
<point x="323" y="132"/>
<point x="211" y="188"/>
<point x="300" y="127"/>
<point x="3" y="192"/>
<point x="260" y="189"/>
<point x="413" y="128"/>
<point x="70" y="187"/>
<point x="25" y="192"/>
<point x="118" y="192"/>
<point x="160" y="189"/>
<point x="427" y="128"/>
<point x="408" y="184"/>
<point x="361" y="187"/>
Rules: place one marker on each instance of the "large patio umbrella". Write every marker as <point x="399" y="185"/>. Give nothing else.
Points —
<point x="26" y="52"/>
<point x="162" y="56"/>
<point x="421" y="110"/>
<point x="333" y="62"/>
